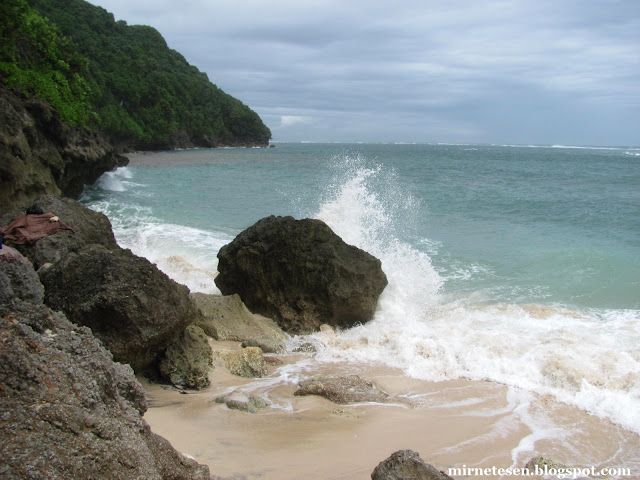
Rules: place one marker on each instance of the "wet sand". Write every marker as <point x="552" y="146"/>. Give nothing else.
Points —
<point x="450" y="424"/>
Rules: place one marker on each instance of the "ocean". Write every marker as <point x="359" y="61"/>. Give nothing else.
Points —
<point x="518" y="265"/>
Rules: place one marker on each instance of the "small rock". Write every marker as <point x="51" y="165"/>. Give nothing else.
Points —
<point x="187" y="361"/>
<point x="245" y="402"/>
<point x="342" y="390"/>
<point x="538" y="465"/>
<point x="407" y="465"/>
<point x="267" y="345"/>
<point x="248" y="362"/>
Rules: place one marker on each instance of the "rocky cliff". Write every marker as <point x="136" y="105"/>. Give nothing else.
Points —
<point x="41" y="154"/>
<point x="67" y="410"/>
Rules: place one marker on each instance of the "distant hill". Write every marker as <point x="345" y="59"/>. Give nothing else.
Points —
<point x="77" y="92"/>
<point x="146" y="95"/>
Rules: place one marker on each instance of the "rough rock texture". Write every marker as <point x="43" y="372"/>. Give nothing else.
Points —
<point x="245" y="402"/>
<point x="18" y="279"/>
<point x="248" y="362"/>
<point x="301" y="274"/>
<point x="89" y="227"/>
<point x="134" y="308"/>
<point x="227" y="318"/>
<point x="40" y="154"/>
<point x="67" y="411"/>
<point x="342" y="390"/>
<point x="407" y="465"/>
<point x="188" y="360"/>
<point x="538" y="465"/>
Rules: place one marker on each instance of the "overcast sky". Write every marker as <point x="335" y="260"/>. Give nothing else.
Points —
<point x="488" y="71"/>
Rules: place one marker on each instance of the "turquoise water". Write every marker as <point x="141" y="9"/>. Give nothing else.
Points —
<point x="559" y="225"/>
<point x="519" y="265"/>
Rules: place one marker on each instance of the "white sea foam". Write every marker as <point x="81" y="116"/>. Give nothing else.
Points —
<point x="115" y="181"/>
<point x="587" y="359"/>
<point x="187" y="255"/>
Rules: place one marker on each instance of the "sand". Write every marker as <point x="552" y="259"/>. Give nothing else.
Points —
<point x="450" y="424"/>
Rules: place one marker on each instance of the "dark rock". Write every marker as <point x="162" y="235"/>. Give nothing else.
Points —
<point x="248" y="362"/>
<point x="407" y="465"/>
<point x="18" y="279"/>
<point x="301" y="274"/>
<point x="245" y="402"/>
<point x="68" y="411"/>
<point x="188" y="361"/>
<point x="342" y="390"/>
<point x="227" y="318"/>
<point x="134" y="308"/>
<point x="39" y="154"/>
<point x="89" y="228"/>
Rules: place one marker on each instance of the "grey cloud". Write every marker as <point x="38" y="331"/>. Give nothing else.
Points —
<point x="535" y="71"/>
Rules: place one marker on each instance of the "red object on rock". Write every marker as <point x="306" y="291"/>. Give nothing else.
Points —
<point x="28" y="229"/>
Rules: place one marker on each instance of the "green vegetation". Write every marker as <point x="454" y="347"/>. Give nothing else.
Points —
<point x="144" y="94"/>
<point x="37" y="59"/>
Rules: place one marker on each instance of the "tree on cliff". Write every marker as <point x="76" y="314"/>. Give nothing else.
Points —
<point x="144" y="94"/>
<point x="38" y="60"/>
<point x="147" y="94"/>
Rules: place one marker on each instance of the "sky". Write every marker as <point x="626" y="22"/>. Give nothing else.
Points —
<point x="544" y="72"/>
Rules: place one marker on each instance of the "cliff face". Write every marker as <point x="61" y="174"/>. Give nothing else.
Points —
<point x="67" y="408"/>
<point x="40" y="154"/>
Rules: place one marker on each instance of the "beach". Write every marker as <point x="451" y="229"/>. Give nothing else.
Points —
<point x="452" y="424"/>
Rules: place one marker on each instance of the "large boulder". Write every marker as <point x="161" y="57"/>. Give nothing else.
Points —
<point x="407" y="465"/>
<point x="225" y="317"/>
<point x="134" y="308"/>
<point x="301" y="274"/>
<point x="68" y="411"/>
<point x="188" y="360"/>
<point x="89" y="227"/>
